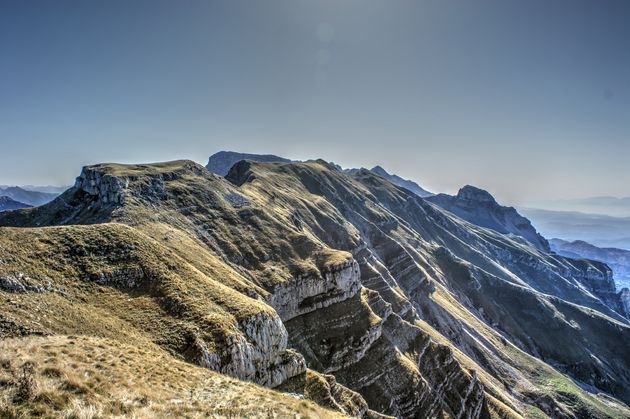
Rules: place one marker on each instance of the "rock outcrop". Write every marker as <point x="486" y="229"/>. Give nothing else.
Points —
<point x="308" y="293"/>
<point x="617" y="259"/>
<point x="259" y="355"/>
<point x="106" y="188"/>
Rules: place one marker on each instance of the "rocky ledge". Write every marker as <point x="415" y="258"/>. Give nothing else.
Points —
<point x="107" y="188"/>
<point x="258" y="354"/>
<point x="308" y="293"/>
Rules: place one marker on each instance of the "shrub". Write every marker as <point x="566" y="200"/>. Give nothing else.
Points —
<point x="26" y="384"/>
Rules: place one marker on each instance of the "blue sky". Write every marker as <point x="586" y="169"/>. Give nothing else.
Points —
<point x="528" y="99"/>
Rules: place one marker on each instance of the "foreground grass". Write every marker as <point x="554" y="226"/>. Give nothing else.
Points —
<point x="88" y="377"/>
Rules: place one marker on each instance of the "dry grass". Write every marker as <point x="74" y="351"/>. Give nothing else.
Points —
<point x="87" y="377"/>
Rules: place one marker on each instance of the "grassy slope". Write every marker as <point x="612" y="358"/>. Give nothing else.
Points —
<point x="171" y="300"/>
<point x="79" y="376"/>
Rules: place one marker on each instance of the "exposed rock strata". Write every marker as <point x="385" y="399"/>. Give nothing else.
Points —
<point x="308" y="293"/>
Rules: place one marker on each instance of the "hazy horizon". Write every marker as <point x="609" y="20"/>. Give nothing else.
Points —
<point x="529" y="100"/>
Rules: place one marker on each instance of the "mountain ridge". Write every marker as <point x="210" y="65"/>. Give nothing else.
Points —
<point x="479" y="207"/>
<point x="443" y="307"/>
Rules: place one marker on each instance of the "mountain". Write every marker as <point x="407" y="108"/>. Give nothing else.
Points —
<point x="345" y="290"/>
<point x="27" y="197"/>
<point x="403" y="183"/>
<point x="58" y="190"/>
<point x="480" y="208"/>
<point x="7" y="203"/>
<point x="599" y="230"/>
<point x="617" y="259"/>
<point x="221" y="162"/>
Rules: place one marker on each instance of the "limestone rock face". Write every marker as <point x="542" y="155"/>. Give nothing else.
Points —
<point x="259" y="355"/>
<point x="308" y="293"/>
<point x="108" y="189"/>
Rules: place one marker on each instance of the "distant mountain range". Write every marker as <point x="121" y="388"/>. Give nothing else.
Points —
<point x="617" y="259"/>
<point x="599" y="230"/>
<point x="32" y="198"/>
<point x="607" y="205"/>
<point x="7" y="203"/>
<point x="39" y="188"/>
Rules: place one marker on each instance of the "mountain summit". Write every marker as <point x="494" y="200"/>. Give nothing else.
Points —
<point x="403" y="183"/>
<point x="479" y="207"/>
<point x="221" y="162"/>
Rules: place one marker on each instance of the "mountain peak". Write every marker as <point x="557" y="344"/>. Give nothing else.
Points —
<point x="221" y="162"/>
<point x="479" y="207"/>
<point x="379" y="171"/>
<point x="403" y="183"/>
<point x="472" y="193"/>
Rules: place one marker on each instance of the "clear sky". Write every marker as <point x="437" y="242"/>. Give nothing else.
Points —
<point x="529" y="99"/>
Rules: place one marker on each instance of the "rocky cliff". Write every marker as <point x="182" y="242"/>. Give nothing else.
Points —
<point x="617" y="259"/>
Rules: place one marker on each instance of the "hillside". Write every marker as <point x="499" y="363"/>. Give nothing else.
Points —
<point x="403" y="183"/>
<point x="479" y="207"/>
<point x="346" y="289"/>
<point x="81" y="376"/>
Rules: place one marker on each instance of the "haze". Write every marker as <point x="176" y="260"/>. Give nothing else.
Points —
<point x="530" y="99"/>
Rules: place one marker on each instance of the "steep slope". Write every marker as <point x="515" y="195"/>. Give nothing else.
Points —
<point x="419" y="312"/>
<point x="399" y="261"/>
<point x="480" y="208"/>
<point x="617" y="259"/>
<point x="221" y="162"/>
<point x="7" y="203"/>
<point x="403" y="183"/>
<point x="27" y="197"/>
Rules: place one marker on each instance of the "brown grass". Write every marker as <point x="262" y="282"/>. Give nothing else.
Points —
<point x="132" y="381"/>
